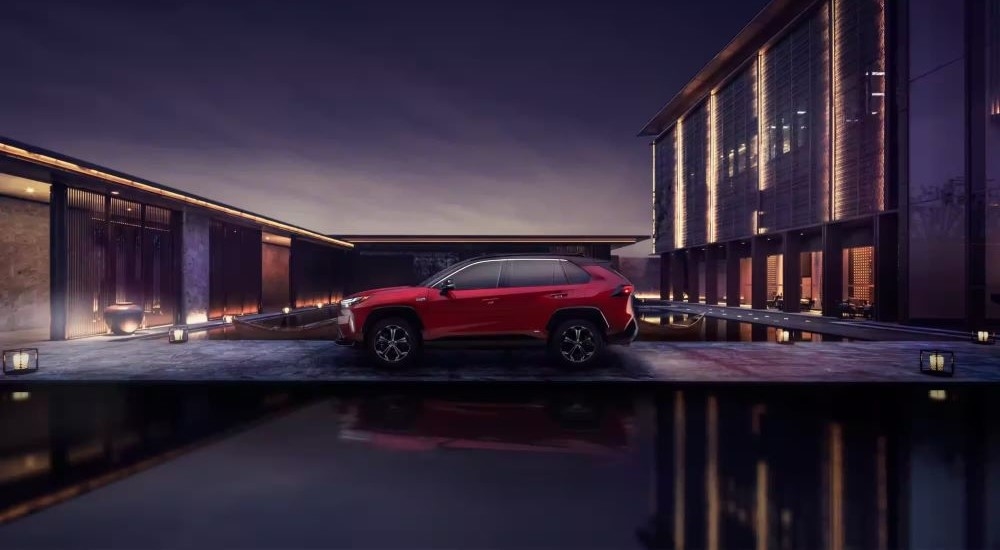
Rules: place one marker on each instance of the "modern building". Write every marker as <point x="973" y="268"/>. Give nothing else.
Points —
<point x="839" y="151"/>
<point x="76" y="237"/>
<point x="390" y="260"/>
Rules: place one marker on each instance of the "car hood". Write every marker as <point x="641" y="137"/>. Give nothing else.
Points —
<point x="383" y="290"/>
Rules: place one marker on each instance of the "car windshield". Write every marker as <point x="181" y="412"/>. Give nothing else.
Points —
<point x="433" y="278"/>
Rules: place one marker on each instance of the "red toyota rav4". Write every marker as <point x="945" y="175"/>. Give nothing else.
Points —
<point x="575" y="305"/>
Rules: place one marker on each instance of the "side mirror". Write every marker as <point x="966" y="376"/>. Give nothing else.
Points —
<point x="447" y="287"/>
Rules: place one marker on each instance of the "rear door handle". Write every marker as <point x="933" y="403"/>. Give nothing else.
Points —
<point x="557" y="295"/>
<point x="490" y="300"/>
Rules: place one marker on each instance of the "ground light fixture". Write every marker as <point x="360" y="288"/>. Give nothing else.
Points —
<point x="783" y="336"/>
<point x="937" y="363"/>
<point x="286" y="310"/>
<point x="177" y="334"/>
<point x="20" y="361"/>
<point x="984" y="337"/>
<point x="228" y="319"/>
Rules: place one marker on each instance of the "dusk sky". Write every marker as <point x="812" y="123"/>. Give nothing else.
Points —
<point x="476" y="117"/>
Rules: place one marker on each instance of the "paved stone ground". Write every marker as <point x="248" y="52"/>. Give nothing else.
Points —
<point x="93" y="360"/>
<point x="848" y="328"/>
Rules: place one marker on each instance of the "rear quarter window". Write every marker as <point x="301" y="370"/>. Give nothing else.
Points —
<point x="575" y="275"/>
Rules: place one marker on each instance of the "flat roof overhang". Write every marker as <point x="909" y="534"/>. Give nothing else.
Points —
<point x="55" y="161"/>
<point x="495" y="239"/>
<point x="760" y="31"/>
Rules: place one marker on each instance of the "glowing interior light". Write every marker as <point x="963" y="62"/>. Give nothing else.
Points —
<point x="679" y="225"/>
<point x="713" y="165"/>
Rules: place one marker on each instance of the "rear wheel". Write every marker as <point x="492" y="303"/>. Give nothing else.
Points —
<point x="394" y="343"/>
<point x="576" y="343"/>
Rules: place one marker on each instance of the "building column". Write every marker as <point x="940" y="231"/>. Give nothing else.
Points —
<point x="665" y="276"/>
<point x="791" y="271"/>
<point x="833" y="276"/>
<point x="678" y="274"/>
<point x="733" y="254"/>
<point x="695" y="257"/>
<point x="195" y="267"/>
<point x="58" y="262"/>
<point x="711" y="258"/>
<point x="758" y="271"/>
<point x="887" y="286"/>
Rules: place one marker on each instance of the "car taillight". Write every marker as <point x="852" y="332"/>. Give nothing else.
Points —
<point x="623" y="290"/>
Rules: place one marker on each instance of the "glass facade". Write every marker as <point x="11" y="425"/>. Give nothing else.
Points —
<point x="794" y="127"/>
<point x="859" y="107"/>
<point x="993" y="161"/>
<point x="694" y="163"/>
<point x="735" y="122"/>
<point x="664" y="165"/>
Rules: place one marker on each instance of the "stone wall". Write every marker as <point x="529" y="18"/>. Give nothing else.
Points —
<point x="24" y="275"/>
<point x="195" y="244"/>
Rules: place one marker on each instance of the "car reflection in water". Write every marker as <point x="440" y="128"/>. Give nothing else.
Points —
<point x="567" y="424"/>
<point x="775" y="467"/>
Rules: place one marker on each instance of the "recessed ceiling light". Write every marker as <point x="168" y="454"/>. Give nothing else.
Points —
<point x="30" y="190"/>
<point x="114" y="192"/>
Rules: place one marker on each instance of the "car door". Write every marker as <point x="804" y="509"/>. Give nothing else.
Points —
<point x="532" y="289"/>
<point x="468" y="310"/>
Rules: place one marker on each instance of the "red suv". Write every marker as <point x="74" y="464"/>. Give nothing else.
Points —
<point x="572" y="304"/>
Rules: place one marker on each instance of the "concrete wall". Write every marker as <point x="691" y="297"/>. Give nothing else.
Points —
<point x="274" y="271"/>
<point x="24" y="275"/>
<point x="195" y="258"/>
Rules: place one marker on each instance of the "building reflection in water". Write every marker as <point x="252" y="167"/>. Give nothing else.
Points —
<point x="60" y="442"/>
<point x="784" y="468"/>
<point x="763" y="467"/>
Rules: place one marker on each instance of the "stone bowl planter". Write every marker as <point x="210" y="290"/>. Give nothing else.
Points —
<point x="123" y="318"/>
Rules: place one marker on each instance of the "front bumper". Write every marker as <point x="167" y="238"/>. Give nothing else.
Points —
<point x="626" y="336"/>
<point x="347" y="325"/>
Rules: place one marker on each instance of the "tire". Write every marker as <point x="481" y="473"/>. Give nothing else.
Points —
<point x="394" y="343"/>
<point x="577" y="343"/>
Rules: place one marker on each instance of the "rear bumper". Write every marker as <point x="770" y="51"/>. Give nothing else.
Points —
<point x="627" y="336"/>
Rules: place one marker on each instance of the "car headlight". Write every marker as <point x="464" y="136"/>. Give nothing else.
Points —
<point x="348" y="302"/>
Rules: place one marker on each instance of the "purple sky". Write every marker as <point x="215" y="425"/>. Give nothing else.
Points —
<point x="457" y="117"/>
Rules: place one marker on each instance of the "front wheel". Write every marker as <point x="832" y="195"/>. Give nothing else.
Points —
<point x="393" y="343"/>
<point x="577" y="343"/>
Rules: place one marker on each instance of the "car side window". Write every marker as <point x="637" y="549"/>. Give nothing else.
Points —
<point x="476" y="276"/>
<point x="575" y="274"/>
<point x="519" y="273"/>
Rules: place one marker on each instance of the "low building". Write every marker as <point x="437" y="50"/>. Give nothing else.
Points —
<point x="391" y="260"/>
<point x="839" y="154"/>
<point x="76" y="238"/>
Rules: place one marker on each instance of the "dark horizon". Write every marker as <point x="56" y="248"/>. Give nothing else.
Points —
<point x="367" y="119"/>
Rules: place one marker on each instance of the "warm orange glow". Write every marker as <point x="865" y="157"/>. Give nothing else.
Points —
<point x="763" y="141"/>
<point x="835" y="115"/>
<point x="879" y="85"/>
<point x="507" y="240"/>
<point x="712" y="471"/>
<point x="655" y="228"/>
<point x="680" y="475"/>
<point x="836" y="496"/>
<point x="882" y="481"/>
<point x="679" y="225"/>
<point x="52" y="162"/>
<point x="760" y="510"/>
<point x="713" y="166"/>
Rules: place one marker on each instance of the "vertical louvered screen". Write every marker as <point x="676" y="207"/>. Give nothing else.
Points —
<point x="694" y="162"/>
<point x="118" y="251"/>
<point x="794" y="143"/>
<point x="235" y="262"/>
<point x="736" y="187"/>
<point x="87" y="289"/>
<point x="664" y="165"/>
<point x="859" y="107"/>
